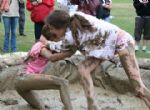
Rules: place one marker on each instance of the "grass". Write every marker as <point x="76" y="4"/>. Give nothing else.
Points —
<point x="123" y="12"/>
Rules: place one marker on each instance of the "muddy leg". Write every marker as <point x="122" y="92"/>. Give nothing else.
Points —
<point x="42" y="82"/>
<point x="64" y="91"/>
<point x="130" y="65"/>
<point x="32" y="98"/>
<point x="85" y="69"/>
<point x="64" y="95"/>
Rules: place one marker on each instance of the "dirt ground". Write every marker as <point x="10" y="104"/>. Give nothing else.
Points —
<point x="106" y="100"/>
<point x="117" y="94"/>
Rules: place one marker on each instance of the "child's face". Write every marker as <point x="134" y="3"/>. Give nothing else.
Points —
<point x="58" y="34"/>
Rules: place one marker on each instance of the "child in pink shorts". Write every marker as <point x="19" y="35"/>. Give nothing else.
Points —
<point x="32" y="77"/>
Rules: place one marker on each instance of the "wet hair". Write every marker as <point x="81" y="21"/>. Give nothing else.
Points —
<point x="58" y="19"/>
<point x="78" y="22"/>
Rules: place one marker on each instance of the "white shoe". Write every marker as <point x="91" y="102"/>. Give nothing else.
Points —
<point x="144" y="49"/>
<point x="147" y="51"/>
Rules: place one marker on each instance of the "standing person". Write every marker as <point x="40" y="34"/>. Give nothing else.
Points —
<point x="10" y="21"/>
<point x="39" y="10"/>
<point x="142" y="23"/>
<point x="87" y="6"/>
<point x="0" y="17"/>
<point x="98" y="41"/>
<point x="106" y="8"/>
<point x="32" y="77"/>
<point x="21" y="18"/>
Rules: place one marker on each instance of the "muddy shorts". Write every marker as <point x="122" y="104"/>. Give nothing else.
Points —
<point x="23" y="75"/>
<point x="124" y="41"/>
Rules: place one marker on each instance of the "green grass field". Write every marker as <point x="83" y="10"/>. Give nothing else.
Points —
<point x="122" y="11"/>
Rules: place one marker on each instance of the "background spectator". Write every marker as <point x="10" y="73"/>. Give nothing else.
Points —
<point x="87" y="6"/>
<point x="10" y="20"/>
<point x="106" y="8"/>
<point x="142" y="23"/>
<point x="21" y="18"/>
<point x="0" y="16"/>
<point x="39" y="10"/>
<point x="63" y="5"/>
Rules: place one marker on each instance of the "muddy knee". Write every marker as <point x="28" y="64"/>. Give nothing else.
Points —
<point x="63" y="82"/>
<point x="82" y="71"/>
<point x="59" y="81"/>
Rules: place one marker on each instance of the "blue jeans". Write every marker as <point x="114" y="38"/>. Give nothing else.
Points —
<point x="10" y="26"/>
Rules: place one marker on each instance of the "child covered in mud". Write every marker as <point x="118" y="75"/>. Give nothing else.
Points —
<point x="31" y="78"/>
<point x="98" y="41"/>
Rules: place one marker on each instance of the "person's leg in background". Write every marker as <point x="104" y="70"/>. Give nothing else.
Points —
<point x="21" y="19"/>
<point x="146" y="36"/>
<point x="14" y="23"/>
<point x="6" y="21"/>
<point x="138" y="30"/>
<point x="37" y="30"/>
<point x="0" y="17"/>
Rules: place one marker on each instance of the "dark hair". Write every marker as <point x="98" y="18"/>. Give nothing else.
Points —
<point x="78" y="22"/>
<point x="61" y="19"/>
<point x="58" y="19"/>
<point x="46" y="32"/>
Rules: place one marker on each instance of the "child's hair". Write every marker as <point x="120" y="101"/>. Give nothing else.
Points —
<point x="58" y="19"/>
<point x="61" y="19"/>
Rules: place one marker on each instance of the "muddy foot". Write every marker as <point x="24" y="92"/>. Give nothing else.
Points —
<point x="92" y="107"/>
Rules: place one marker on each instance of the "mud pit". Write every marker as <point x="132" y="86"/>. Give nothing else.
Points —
<point x="112" y="89"/>
<point x="107" y="100"/>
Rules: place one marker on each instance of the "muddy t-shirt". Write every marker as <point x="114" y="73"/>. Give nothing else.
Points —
<point x="100" y="43"/>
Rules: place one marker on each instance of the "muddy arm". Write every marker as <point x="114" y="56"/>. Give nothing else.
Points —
<point x="57" y="56"/>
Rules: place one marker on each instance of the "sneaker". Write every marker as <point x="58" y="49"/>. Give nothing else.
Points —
<point x="137" y="48"/>
<point x="144" y="49"/>
<point x="22" y="34"/>
<point x="147" y="51"/>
